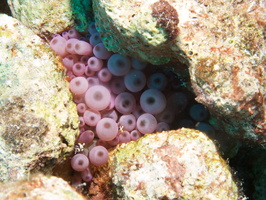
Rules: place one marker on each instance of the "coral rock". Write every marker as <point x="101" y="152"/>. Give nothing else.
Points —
<point x="223" y="43"/>
<point x="39" y="187"/>
<point x="52" y="16"/>
<point x="38" y="122"/>
<point x="181" y="164"/>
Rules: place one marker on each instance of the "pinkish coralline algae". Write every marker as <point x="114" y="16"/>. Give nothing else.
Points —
<point x="181" y="164"/>
<point x="222" y="43"/>
<point x="38" y="122"/>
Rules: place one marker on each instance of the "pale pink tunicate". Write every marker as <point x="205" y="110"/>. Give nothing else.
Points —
<point x="70" y="45"/>
<point x="107" y="129"/>
<point x="91" y="117"/>
<point x="101" y="52"/>
<point x="98" y="155"/>
<point x="82" y="48"/>
<point x="73" y="33"/>
<point x="95" y="64"/>
<point x="78" y="85"/>
<point x="97" y="97"/>
<point x="58" y="44"/>
<point x="78" y="68"/>
<point x="146" y="123"/>
<point x="79" y="162"/>
<point x="69" y="61"/>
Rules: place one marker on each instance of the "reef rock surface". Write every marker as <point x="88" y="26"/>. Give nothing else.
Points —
<point x="39" y="187"/>
<point x="181" y="164"/>
<point x="52" y="16"/>
<point x="222" y="42"/>
<point x="38" y="122"/>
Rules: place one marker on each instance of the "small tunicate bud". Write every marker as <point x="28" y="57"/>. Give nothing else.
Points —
<point x="152" y="101"/>
<point x="78" y="99"/>
<point x="198" y="112"/>
<point x="78" y="85"/>
<point x="162" y="126"/>
<point x="206" y="128"/>
<point x="84" y="59"/>
<point x="98" y="155"/>
<point x="125" y="103"/>
<point x="81" y="107"/>
<point x="92" y="28"/>
<point x="69" y="61"/>
<point x="107" y="129"/>
<point x="104" y="75"/>
<point x="88" y="72"/>
<point x="78" y="68"/>
<point x="124" y="137"/>
<point x="114" y="141"/>
<point x="72" y="33"/>
<point x="86" y="175"/>
<point x="146" y="123"/>
<point x="135" y="80"/>
<point x="95" y="39"/>
<point x="91" y="117"/>
<point x="117" y="85"/>
<point x="167" y="115"/>
<point x="109" y="114"/>
<point x="65" y="35"/>
<point x="86" y="137"/>
<point x="70" y="45"/>
<point x="128" y="122"/>
<point x="137" y="111"/>
<point x="135" y="134"/>
<point x="97" y="97"/>
<point x="81" y="122"/>
<point x="95" y="64"/>
<point x="79" y="162"/>
<point x="93" y="81"/>
<point x="119" y="65"/>
<point x="101" y="52"/>
<point x="157" y="81"/>
<point x="82" y="48"/>
<point x="58" y="44"/>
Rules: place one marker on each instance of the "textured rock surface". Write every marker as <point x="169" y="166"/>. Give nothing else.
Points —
<point x="39" y="187"/>
<point x="52" y="16"/>
<point x="182" y="164"/>
<point x="38" y="122"/>
<point x="223" y="43"/>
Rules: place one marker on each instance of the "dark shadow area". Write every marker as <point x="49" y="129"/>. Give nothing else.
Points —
<point x="4" y="8"/>
<point x="249" y="164"/>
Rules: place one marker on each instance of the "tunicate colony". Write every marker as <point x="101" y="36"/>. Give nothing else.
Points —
<point x="118" y="99"/>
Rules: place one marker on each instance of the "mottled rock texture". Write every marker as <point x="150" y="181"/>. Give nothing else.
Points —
<point x="181" y="164"/>
<point x="38" y="121"/>
<point x="222" y="43"/>
<point x="52" y="16"/>
<point x="39" y="187"/>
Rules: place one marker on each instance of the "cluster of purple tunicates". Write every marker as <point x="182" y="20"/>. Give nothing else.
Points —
<point x="118" y="98"/>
